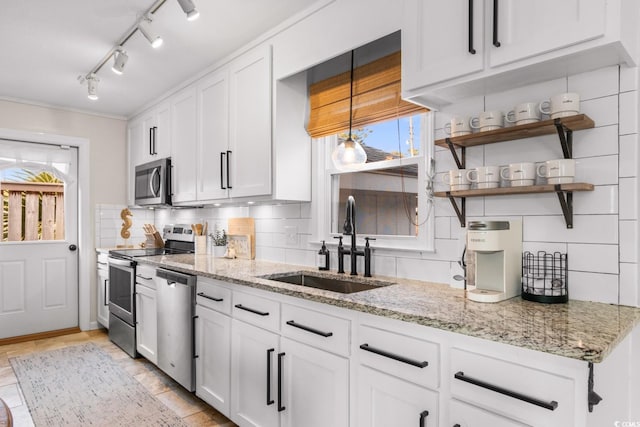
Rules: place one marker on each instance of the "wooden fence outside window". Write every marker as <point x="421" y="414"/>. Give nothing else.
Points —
<point x="32" y="211"/>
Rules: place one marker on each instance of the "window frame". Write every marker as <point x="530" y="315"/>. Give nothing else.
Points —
<point x="325" y="171"/>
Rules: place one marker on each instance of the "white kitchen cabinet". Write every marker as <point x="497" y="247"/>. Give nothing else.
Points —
<point x="213" y="344"/>
<point x="146" y="313"/>
<point x="156" y="127"/>
<point x="463" y="415"/>
<point x="135" y="140"/>
<point x="315" y="386"/>
<point x="385" y="400"/>
<point x="183" y="145"/>
<point x="102" y="282"/>
<point x="254" y="375"/>
<point x="451" y="52"/>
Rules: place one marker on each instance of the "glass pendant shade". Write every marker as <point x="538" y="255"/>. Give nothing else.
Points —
<point x="348" y="154"/>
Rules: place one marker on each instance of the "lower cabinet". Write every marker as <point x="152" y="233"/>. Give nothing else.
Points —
<point x="463" y="415"/>
<point x="385" y="400"/>
<point x="146" y="313"/>
<point x="213" y="344"/>
<point x="102" y="281"/>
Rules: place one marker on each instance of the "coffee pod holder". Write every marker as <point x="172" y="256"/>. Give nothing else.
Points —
<point x="544" y="277"/>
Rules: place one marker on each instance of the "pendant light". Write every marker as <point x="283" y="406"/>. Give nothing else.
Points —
<point x="349" y="153"/>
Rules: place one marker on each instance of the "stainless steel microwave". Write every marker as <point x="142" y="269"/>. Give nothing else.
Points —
<point x="153" y="183"/>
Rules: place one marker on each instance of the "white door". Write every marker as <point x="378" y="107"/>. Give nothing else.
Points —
<point x="38" y="256"/>
<point x="183" y="145"/>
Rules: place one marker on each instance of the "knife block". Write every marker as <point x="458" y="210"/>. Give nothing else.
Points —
<point x="154" y="240"/>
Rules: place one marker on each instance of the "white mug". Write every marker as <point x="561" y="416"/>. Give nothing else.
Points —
<point x="458" y="126"/>
<point x="488" y="120"/>
<point x="457" y="179"/>
<point x="558" y="171"/>
<point x="561" y="105"/>
<point x="485" y="176"/>
<point x="520" y="174"/>
<point x="522" y="114"/>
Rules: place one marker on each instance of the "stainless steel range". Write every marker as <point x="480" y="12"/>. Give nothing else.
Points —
<point x="122" y="273"/>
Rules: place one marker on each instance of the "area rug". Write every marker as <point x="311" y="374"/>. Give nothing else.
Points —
<point x="83" y="386"/>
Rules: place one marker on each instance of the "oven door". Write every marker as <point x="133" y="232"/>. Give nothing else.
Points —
<point x="122" y="274"/>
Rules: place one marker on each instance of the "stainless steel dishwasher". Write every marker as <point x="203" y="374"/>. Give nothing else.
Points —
<point x="176" y="316"/>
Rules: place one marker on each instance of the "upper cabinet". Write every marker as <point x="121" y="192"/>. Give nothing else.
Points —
<point x="183" y="145"/>
<point x="463" y="48"/>
<point x="156" y="133"/>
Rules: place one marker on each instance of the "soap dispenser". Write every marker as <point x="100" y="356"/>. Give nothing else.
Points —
<point x="323" y="257"/>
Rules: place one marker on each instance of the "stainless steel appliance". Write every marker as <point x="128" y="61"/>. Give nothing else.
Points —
<point x="122" y="274"/>
<point x="153" y="183"/>
<point x="176" y="297"/>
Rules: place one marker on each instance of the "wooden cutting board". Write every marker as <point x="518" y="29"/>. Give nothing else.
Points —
<point x="244" y="226"/>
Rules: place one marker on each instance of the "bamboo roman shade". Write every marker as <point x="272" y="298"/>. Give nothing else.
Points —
<point x="376" y="97"/>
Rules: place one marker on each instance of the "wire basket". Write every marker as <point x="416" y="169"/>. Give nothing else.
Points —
<point x="544" y="277"/>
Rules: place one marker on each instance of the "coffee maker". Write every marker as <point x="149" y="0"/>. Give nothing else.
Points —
<point x="498" y="268"/>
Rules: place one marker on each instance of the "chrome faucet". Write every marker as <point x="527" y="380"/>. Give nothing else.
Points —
<point x="349" y="229"/>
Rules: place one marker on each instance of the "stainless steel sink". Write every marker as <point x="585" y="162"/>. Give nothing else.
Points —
<point x="343" y="286"/>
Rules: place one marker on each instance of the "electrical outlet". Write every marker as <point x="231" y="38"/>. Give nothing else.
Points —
<point x="291" y="235"/>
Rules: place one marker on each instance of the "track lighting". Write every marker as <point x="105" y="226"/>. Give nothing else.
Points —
<point x="120" y="59"/>
<point x="92" y="86"/>
<point x="153" y="38"/>
<point x="190" y="9"/>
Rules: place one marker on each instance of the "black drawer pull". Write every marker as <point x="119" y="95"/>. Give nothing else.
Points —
<point x="281" y="407"/>
<point x="251" y="310"/>
<point x="457" y="425"/>
<point x="270" y="401"/>
<point x="393" y="356"/>
<point x="203" y="295"/>
<point x="546" y="405"/>
<point x="309" y="329"/>
<point x="423" y="416"/>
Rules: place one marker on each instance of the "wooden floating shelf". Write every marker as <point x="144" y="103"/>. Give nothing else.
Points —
<point x="530" y="189"/>
<point x="545" y="127"/>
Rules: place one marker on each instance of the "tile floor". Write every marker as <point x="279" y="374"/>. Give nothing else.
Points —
<point x="186" y="405"/>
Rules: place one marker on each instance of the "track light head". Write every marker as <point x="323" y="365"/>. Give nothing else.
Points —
<point x="120" y="59"/>
<point x="152" y="37"/>
<point x="190" y="9"/>
<point x="92" y="86"/>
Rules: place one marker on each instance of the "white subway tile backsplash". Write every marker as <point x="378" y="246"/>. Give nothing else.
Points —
<point x="586" y="229"/>
<point x="421" y="269"/>
<point x="599" y="141"/>
<point x="629" y="284"/>
<point x="549" y="247"/>
<point x="593" y="258"/>
<point x="628" y="113"/>
<point x="261" y="211"/>
<point x="468" y="107"/>
<point x="628" y="155"/>
<point x="629" y="241"/>
<point x="270" y="254"/>
<point x="286" y="211"/>
<point x="383" y="265"/>
<point x="602" y="200"/>
<point x="603" y="111"/>
<point x="532" y="93"/>
<point x="443" y="227"/>
<point x="300" y="257"/>
<point x="595" y="84"/>
<point x="628" y="198"/>
<point x="628" y="78"/>
<point x="537" y="149"/>
<point x="602" y="170"/>
<point x="593" y="287"/>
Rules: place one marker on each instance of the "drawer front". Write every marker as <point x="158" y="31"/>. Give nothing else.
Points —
<point x="145" y="276"/>
<point x="516" y="391"/>
<point x="463" y="415"/>
<point x="315" y="328"/>
<point x="256" y="310"/>
<point x="103" y="260"/>
<point x="211" y="295"/>
<point x="406" y="357"/>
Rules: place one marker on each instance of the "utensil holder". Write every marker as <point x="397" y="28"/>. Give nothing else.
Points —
<point x="544" y="277"/>
<point x="201" y="245"/>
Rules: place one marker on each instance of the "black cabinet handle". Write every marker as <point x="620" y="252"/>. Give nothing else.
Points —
<point x="393" y="356"/>
<point x="423" y="416"/>
<point x="155" y="134"/>
<point x="106" y="300"/>
<point x="151" y="141"/>
<point x="144" y="278"/>
<point x="228" y="161"/>
<point x="496" y="43"/>
<point x="309" y="329"/>
<point x="193" y="336"/>
<point x="280" y="407"/>
<point x="222" y="154"/>
<point x="270" y="401"/>
<point x="547" y="405"/>
<point x="203" y="295"/>
<point x="251" y="310"/>
<point x="457" y="425"/>
<point x="472" y="51"/>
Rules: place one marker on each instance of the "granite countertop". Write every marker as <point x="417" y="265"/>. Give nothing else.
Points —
<point x="578" y="329"/>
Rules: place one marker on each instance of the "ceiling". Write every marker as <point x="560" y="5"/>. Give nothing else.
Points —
<point x="48" y="44"/>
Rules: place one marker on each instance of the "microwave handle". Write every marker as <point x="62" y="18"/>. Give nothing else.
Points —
<point x="156" y="171"/>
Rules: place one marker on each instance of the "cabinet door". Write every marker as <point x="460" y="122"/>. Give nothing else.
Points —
<point x="435" y="41"/>
<point x="183" y="145"/>
<point x="384" y="400"/>
<point x="254" y="375"/>
<point x="135" y="143"/>
<point x="147" y="323"/>
<point x="315" y="387"/>
<point x="471" y="416"/>
<point x="103" y="297"/>
<point x="213" y="343"/>
<point x="250" y="124"/>
<point x="149" y="126"/>
<point x="527" y="28"/>
<point x="213" y="135"/>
